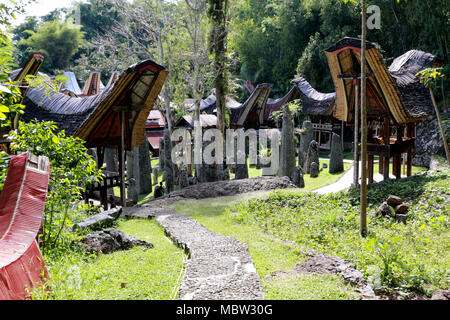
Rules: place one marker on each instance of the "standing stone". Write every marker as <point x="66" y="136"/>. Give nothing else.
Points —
<point x="306" y="138"/>
<point x="224" y="172"/>
<point x="112" y="164"/>
<point x="297" y="177"/>
<point x="183" y="180"/>
<point x="145" y="168"/>
<point x="132" y="173"/>
<point x="209" y="172"/>
<point x="132" y="192"/>
<point x="312" y="156"/>
<point x="314" y="170"/>
<point x="287" y="154"/>
<point x="161" y="154"/>
<point x="241" y="170"/>
<point x="168" y="165"/>
<point x="336" y="155"/>
<point x="155" y="176"/>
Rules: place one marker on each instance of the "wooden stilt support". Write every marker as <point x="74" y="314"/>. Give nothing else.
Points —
<point x="409" y="155"/>
<point x="386" y="138"/>
<point x="397" y="169"/>
<point x="122" y="159"/>
<point x="370" y="168"/>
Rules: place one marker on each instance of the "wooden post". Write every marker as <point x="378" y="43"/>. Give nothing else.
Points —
<point x="409" y="155"/>
<point x="103" y="186"/>
<point x="387" y="142"/>
<point x="397" y="169"/>
<point x="356" y="138"/>
<point x="370" y="168"/>
<point x="122" y="159"/>
<point x="363" y="215"/>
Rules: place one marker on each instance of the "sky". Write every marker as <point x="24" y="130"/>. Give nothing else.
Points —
<point x="42" y="7"/>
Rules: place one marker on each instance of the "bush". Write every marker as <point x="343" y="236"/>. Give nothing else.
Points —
<point x="71" y="170"/>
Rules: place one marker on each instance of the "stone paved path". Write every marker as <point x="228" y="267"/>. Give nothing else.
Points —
<point x="219" y="267"/>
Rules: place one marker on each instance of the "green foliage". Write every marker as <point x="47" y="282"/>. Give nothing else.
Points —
<point x="58" y="41"/>
<point x="411" y="257"/>
<point x="429" y="76"/>
<point x="72" y="169"/>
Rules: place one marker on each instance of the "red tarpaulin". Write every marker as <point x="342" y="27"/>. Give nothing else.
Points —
<point x="22" y="203"/>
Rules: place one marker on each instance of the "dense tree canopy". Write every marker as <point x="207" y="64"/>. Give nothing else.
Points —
<point x="270" y="41"/>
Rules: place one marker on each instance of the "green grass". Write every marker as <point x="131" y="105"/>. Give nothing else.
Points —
<point x="269" y="253"/>
<point x="134" y="274"/>
<point x="412" y="257"/>
<point x="308" y="287"/>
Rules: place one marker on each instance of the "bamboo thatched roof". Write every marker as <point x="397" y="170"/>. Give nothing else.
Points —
<point x="206" y="121"/>
<point x="253" y="109"/>
<point x="395" y="93"/>
<point x="93" y="84"/>
<point x="314" y="102"/>
<point x="274" y="105"/>
<point x="95" y="119"/>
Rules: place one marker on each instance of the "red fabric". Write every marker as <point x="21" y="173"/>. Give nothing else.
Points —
<point x="22" y="203"/>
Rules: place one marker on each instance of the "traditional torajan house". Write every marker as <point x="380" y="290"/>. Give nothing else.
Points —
<point x="31" y="67"/>
<point x="154" y="128"/>
<point x="314" y="105"/>
<point x="250" y="114"/>
<point x="114" y="118"/>
<point x="93" y="84"/>
<point x="318" y="105"/>
<point x="396" y="100"/>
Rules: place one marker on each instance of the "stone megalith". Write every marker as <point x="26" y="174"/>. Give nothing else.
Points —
<point x="297" y="177"/>
<point x="209" y="172"/>
<point x="132" y="191"/>
<point x="168" y="165"/>
<point x="287" y="154"/>
<point x="314" y="170"/>
<point x="155" y="176"/>
<point x="145" y="168"/>
<point x="312" y="156"/>
<point x="336" y="155"/>
<point x="224" y="172"/>
<point x="161" y="154"/>
<point x="241" y="169"/>
<point x="183" y="180"/>
<point x="306" y="138"/>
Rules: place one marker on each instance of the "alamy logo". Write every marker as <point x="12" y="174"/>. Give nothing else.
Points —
<point x="374" y="20"/>
<point x="211" y="147"/>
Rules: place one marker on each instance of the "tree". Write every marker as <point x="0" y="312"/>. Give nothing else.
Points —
<point x="58" y="41"/>
<point x="218" y="14"/>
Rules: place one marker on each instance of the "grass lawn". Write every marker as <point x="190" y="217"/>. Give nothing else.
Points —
<point x="135" y="274"/>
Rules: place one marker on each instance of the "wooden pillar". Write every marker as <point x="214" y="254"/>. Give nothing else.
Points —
<point x="386" y="138"/>
<point x="397" y="169"/>
<point x="410" y="135"/>
<point x="122" y="159"/>
<point x="370" y="167"/>
<point x="320" y="132"/>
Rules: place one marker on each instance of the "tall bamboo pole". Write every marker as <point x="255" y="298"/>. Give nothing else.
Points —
<point x="363" y="215"/>
<point x="356" y="139"/>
